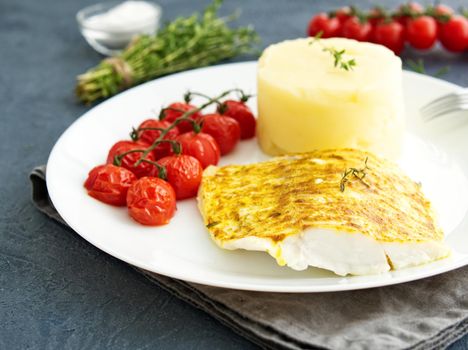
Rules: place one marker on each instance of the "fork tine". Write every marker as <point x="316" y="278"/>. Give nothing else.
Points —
<point x="443" y="108"/>
<point x="442" y="101"/>
<point x="445" y="104"/>
<point x="439" y="99"/>
<point x="429" y="117"/>
<point x="455" y="101"/>
<point x="446" y="110"/>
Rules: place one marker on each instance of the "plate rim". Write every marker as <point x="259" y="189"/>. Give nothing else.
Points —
<point x="226" y="283"/>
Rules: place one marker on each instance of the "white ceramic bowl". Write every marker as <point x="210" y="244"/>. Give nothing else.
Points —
<point x="110" y="40"/>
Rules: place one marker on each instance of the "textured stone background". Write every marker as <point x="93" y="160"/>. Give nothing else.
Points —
<point x="56" y="289"/>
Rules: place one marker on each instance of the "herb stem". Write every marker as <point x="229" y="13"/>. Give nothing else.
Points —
<point x="336" y="54"/>
<point x="359" y="174"/>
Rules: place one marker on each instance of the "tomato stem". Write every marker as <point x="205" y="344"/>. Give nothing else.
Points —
<point x="135" y="133"/>
<point x="118" y="158"/>
<point x="162" y="173"/>
<point x="187" y="97"/>
<point x="191" y="93"/>
<point x="195" y="124"/>
<point x="222" y="108"/>
<point x="176" y="146"/>
<point x="162" y="113"/>
<point x="245" y="97"/>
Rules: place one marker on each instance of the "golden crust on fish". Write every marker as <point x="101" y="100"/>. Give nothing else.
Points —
<point x="287" y="195"/>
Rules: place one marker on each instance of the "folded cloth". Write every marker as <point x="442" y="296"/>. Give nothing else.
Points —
<point x="426" y="314"/>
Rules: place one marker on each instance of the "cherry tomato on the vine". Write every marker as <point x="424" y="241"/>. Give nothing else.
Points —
<point x="109" y="184"/>
<point x="442" y="14"/>
<point x="239" y="111"/>
<point x="375" y="16"/>
<point x="343" y="14"/>
<point x="390" y="34"/>
<point x="356" y="29"/>
<point x="149" y="136"/>
<point x="201" y="146"/>
<point x="454" y="34"/>
<point x="128" y="161"/>
<point x="421" y="32"/>
<point x="407" y="11"/>
<point x="441" y="9"/>
<point x="184" y="173"/>
<point x="225" y="130"/>
<point x="329" y="26"/>
<point x="176" y="110"/>
<point x="151" y="201"/>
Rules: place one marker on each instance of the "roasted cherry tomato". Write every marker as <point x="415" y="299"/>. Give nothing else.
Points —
<point x="329" y="26"/>
<point x="129" y="160"/>
<point x="175" y="110"/>
<point x="390" y="34"/>
<point x="149" y="136"/>
<point x="201" y="146"/>
<point x="407" y="11"/>
<point x="239" y="111"/>
<point x="356" y="29"/>
<point x="109" y="184"/>
<point x="151" y="201"/>
<point x="225" y="130"/>
<point x="184" y="173"/>
<point x="421" y="32"/>
<point x="454" y="34"/>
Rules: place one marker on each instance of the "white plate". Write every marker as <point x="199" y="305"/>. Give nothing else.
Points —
<point x="184" y="250"/>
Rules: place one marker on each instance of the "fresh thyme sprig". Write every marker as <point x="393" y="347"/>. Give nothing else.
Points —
<point x="442" y="71"/>
<point x="418" y="67"/>
<point x="211" y="224"/>
<point x="359" y="174"/>
<point x="338" y="55"/>
<point x="186" y="42"/>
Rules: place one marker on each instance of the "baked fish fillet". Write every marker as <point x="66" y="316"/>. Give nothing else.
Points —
<point x="344" y="210"/>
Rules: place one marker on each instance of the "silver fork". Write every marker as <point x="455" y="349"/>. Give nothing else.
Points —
<point x="453" y="102"/>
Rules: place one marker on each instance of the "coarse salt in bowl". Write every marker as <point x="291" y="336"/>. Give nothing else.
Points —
<point x="109" y="27"/>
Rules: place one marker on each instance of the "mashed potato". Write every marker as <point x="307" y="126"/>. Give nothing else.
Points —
<point x="305" y="103"/>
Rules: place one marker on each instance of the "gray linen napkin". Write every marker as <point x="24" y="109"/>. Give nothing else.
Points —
<point x="426" y="314"/>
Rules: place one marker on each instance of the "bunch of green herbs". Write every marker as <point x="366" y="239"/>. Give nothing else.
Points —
<point x="184" y="43"/>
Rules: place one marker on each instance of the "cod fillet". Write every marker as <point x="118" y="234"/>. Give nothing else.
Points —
<point x="343" y="210"/>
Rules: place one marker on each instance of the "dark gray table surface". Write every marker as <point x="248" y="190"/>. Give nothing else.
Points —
<point x="57" y="290"/>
